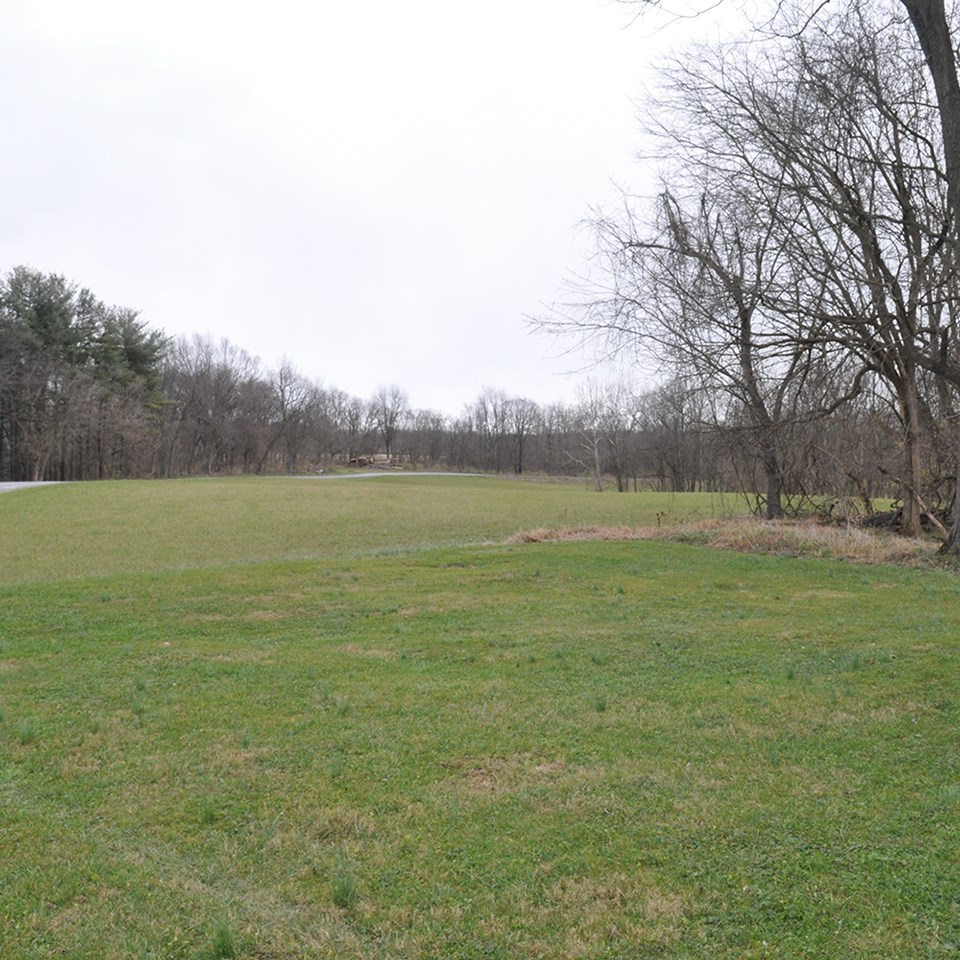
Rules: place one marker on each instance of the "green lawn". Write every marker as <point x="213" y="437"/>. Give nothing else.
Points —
<point x="81" y="529"/>
<point x="387" y="749"/>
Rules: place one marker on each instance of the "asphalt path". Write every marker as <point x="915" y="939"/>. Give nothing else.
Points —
<point x="386" y="473"/>
<point x="4" y="487"/>
<point x="7" y="486"/>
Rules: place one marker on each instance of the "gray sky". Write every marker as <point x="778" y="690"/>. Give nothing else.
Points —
<point x="379" y="191"/>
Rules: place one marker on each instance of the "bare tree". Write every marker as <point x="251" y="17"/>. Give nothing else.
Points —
<point x="523" y="418"/>
<point x="840" y="123"/>
<point x="426" y="431"/>
<point x="588" y="452"/>
<point x="674" y="422"/>
<point x="290" y="413"/>
<point x="691" y="292"/>
<point x="215" y="411"/>
<point x="489" y="419"/>
<point x="388" y="407"/>
<point x="357" y="426"/>
<point x="934" y="36"/>
<point x="801" y="243"/>
<point x="554" y="429"/>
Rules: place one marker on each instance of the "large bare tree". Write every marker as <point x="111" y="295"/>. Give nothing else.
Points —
<point x="931" y="26"/>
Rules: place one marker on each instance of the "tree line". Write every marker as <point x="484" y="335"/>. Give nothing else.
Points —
<point x="89" y="391"/>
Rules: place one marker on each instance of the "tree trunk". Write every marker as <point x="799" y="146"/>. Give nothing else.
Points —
<point x="952" y="544"/>
<point x="774" y="478"/>
<point x="910" y="525"/>
<point x="929" y="20"/>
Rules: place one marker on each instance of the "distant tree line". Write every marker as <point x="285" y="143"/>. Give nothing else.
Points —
<point x="88" y="391"/>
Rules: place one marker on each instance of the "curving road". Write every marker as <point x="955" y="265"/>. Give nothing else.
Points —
<point x="384" y="473"/>
<point x="4" y="487"/>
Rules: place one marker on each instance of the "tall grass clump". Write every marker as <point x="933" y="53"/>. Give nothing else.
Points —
<point x="224" y="942"/>
<point x="344" y="888"/>
<point x="28" y="731"/>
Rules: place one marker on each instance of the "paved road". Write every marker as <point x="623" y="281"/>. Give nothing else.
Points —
<point x="385" y="473"/>
<point x="4" y="487"/>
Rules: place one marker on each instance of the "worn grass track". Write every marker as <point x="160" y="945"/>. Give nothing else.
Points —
<point x="557" y="750"/>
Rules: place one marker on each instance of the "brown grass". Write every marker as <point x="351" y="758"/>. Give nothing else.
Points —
<point x="602" y="917"/>
<point x="799" y="538"/>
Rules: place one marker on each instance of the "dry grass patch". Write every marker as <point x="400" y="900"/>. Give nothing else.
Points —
<point x="804" y="538"/>
<point x="79" y="762"/>
<point x="486" y="774"/>
<point x="495" y="775"/>
<point x="375" y="653"/>
<point x="616" y="911"/>
<point x="342" y="824"/>
<point x="590" y="531"/>
<point x="244" y="655"/>
<point x="236" y="761"/>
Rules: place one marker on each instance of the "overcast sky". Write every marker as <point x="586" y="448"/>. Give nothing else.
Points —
<point x="379" y="191"/>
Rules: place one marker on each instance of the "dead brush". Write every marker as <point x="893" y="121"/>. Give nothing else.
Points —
<point x="795" y="538"/>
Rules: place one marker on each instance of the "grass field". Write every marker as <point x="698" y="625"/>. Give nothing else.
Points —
<point x="148" y="526"/>
<point x="274" y="719"/>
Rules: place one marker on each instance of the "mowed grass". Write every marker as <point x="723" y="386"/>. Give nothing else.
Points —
<point x="102" y="528"/>
<point x="537" y="750"/>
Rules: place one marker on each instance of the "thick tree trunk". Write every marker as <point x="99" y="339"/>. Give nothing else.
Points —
<point x="774" y="483"/>
<point x="952" y="544"/>
<point x="929" y="20"/>
<point x="913" y="467"/>
<point x="930" y="24"/>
